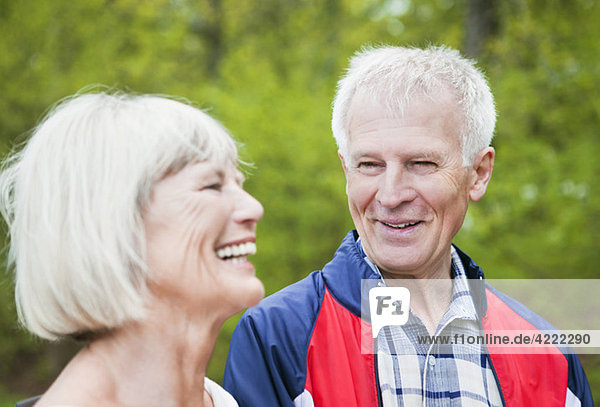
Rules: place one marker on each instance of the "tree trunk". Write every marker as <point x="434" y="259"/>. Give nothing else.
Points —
<point x="482" y="23"/>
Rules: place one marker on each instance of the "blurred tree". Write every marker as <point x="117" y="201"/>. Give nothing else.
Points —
<point x="543" y="200"/>
<point x="481" y="24"/>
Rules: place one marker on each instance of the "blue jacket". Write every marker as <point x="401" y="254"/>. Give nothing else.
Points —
<point x="302" y="345"/>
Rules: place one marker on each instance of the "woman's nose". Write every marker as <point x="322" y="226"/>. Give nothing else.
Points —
<point x="248" y="209"/>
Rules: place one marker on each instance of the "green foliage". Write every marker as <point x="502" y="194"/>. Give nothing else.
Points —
<point x="267" y="69"/>
<point x="540" y="218"/>
<point x="7" y="400"/>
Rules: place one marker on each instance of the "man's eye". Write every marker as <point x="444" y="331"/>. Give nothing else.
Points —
<point x="368" y="164"/>
<point x="369" y="167"/>
<point x="425" y="163"/>
<point x="423" y="166"/>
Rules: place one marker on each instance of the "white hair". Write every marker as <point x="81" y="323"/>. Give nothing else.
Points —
<point x="392" y="75"/>
<point x="73" y="198"/>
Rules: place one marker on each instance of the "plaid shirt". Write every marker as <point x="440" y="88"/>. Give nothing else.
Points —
<point x="412" y="373"/>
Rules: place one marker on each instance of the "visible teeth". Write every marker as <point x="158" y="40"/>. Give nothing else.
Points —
<point x="401" y="226"/>
<point x="236" y="260"/>
<point x="238" y="252"/>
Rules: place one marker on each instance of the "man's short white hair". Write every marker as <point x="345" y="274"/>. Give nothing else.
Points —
<point x="73" y="198"/>
<point x="393" y="75"/>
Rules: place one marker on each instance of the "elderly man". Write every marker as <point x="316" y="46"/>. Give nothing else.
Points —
<point x="413" y="127"/>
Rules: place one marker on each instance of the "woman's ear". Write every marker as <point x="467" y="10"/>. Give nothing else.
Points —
<point x="483" y="165"/>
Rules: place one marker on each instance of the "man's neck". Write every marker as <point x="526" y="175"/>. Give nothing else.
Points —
<point x="429" y="300"/>
<point x="430" y="291"/>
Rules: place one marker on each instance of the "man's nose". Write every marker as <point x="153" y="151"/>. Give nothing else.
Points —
<point x="395" y="187"/>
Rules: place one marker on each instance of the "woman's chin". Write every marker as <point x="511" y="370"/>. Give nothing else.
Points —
<point x="237" y="293"/>
<point x="250" y="293"/>
<point x="259" y="294"/>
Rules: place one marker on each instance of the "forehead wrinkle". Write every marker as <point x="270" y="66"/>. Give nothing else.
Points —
<point x="422" y="151"/>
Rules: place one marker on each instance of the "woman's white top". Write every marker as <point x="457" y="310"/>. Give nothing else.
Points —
<point x="219" y="396"/>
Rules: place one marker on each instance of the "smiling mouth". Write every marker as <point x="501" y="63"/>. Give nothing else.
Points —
<point x="237" y="253"/>
<point x="401" y="225"/>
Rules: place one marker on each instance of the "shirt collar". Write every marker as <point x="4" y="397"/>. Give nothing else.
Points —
<point x="461" y="305"/>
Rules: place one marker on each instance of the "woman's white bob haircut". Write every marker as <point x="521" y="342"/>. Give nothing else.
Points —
<point x="73" y="198"/>
<point x="394" y="75"/>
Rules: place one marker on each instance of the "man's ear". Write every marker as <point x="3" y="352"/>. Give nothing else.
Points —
<point x="345" y="169"/>
<point x="483" y="165"/>
<point x="343" y="162"/>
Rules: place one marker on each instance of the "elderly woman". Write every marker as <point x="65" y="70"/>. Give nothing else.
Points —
<point x="130" y="228"/>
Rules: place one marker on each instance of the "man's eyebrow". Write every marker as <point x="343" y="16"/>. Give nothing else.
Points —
<point x="376" y="152"/>
<point x="361" y="153"/>
<point x="429" y="155"/>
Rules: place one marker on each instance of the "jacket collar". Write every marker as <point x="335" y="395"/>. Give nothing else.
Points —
<point x="345" y="273"/>
<point x="476" y="282"/>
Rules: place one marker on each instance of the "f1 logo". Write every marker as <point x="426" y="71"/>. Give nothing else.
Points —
<point x="389" y="306"/>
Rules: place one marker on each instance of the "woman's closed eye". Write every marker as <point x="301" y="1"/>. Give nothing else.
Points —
<point x="216" y="186"/>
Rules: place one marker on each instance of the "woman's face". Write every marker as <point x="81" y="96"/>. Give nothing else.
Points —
<point x="200" y="228"/>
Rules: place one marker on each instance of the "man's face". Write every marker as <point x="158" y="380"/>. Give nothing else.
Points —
<point x="407" y="188"/>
